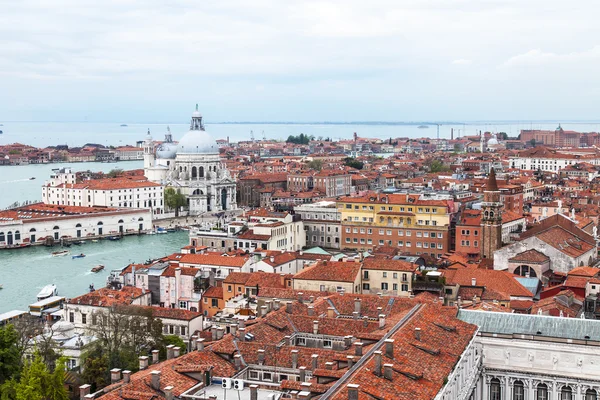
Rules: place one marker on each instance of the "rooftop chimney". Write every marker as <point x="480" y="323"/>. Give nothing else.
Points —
<point x="84" y="390"/>
<point x="418" y="334"/>
<point x="200" y="344"/>
<point x="220" y="332"/>
<point x="294" y="359"/>
<point x="352" y="391"/>
<point x="242" y="334"/>
<point x="357" y="305"/>
<point x="377" y="370"/>
<point x="155" y="380"/>
<point x="389" y="348"/>
<point x="473" y="282"/>
<point x="387" y="371"/>
<point x="253" y="392"/>
<point x="261" y="356"/>
<point x="176" y="351"/>
<point x="288" y="307"/>
<point x="193" y="342"/>
<point x="315" y="327"/>
<point x="300" y="297"/>
<point x="168" y="392"/>
<point x="126" y="376"/>
<point x="347" y="341"/>
<point x="238" y="362"/>
<point x="115" y="375"/>
<point x="170" y="351"/>
<point x="302" y="374"/>
<point x="143" y="362"/>
<point x="276" y="304"/>
<point x="155" y="354"/>
<point x="311" y="311"/>
<point x="358" y="348"/>
<point x="350" y="361"/>
<point x="315" y="361"/>
<point x="381" y="321"/>
<point x="365" y="321"/>
<point x="311" y="299"/>
<point x="213" y="332"/>
<point x="329" y="365"/>
<point x="355" y="315"/>
<point x="233" y="329"/>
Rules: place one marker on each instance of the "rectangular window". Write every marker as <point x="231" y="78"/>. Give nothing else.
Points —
<point x="267" y="376"/>
<point x="301" y="341"/>
<point x="214" y="302"/>
<point x="385" y="274"/>
<point x="419" y="234"/>
<point x="366" y="286"/>
<point x="84" y="319"/>
<point x="389" y="232"/>
<point x="419" y="244"/>
<point x="229" y="288"/>
<point x="381" y="232"/>
<point x="381" y="242"/>
<point x="405" y="288"/>
<point x="384" y="286"/>
<point x="327" y="344"/>
<point x="394" y="286"/>
<point x="400" y="243"/>
<point x="72" y="317"/>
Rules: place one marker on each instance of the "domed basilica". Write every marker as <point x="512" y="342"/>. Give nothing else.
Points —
<point x="193" y="167"/>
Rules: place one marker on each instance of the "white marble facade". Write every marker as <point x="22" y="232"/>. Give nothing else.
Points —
<point x="193" y="167"/>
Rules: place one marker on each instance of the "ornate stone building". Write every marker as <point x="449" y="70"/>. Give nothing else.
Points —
<point x="192" y="167"/>
<point x="491" y="218"/>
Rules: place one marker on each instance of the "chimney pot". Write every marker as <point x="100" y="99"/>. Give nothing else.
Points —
<point x="387" y="371"/>
<point x="84" y="390"/>
<point x="143" y="362"/>
<point x="389" y="348"/>
<point x="155" y="354"/>
<point x="330" y="312"/>
<point x="263" y="311"/>
<point x="329" y="365"/>
<point x="381" y="321"/>
<point x="213" y="332"/>
<point x="115" y="375"/>
<point x="261" y="356"/>
<point x="276" y="304"/>
<point x="176" y="351"/>
<point x="315" y="361"/>
<point x="302" y="374"/>
<point x="300" y="297"/>
<point x="220" y="333"/>
<point x="355" y="315"/>
<point x="200" y="344"/>
<point x="253" y="392"/>
<point x="350" y="361"/>
<point x="473" y="281"/>
<point x="311" y="311"/>
<point x="238" y="361"/>
<point x="315" y="327"/>
<point x="377" y="370"/>
<point x="168" y="392"/>
<point x="288" y="307"/>
<point x="242" y="334"/>
<point x="170" y="351"/>
<point x="126" y="376"/>
<point x="418" y="334"/>
<point x="357" y="305"/>
<point x="155" y="380"/>
<point x="295" y="359"/>
<point x="352" y="391"/>
<point x="365" y="321"/>
<point x="358" y="348"/>
<point x="347" y="341"/>
<point x="193" y="342"/>
<point x="233" y="329"/>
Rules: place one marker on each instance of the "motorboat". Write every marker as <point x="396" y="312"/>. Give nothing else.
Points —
<point x="123" y="125"/>
<point x="78" y="256"/>
<point x="114" y="238"/>
<point x="47" y="291"/>
<point x="150" y="233"/>
<point x="161" y="230"/>
<point x="32" y="178"/>
<point x="98" y="268"/>
<point x="95" y="240"/>
<point x="60" y="253"/>
<point x="171" y="230"/>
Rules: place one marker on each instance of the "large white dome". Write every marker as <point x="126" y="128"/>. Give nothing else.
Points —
<point x="166" y="151"/>
<point x="197" y="142"/>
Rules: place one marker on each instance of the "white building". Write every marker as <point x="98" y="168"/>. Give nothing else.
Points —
<point x="123" y="192"/>
<point x="544" y="159"/>
<point x="192" y="167"/>
<point x="42" y="223"/>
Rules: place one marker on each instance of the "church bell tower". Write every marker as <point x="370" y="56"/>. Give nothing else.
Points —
<point x="491" y="218"/>
<point x="148" y="151"/>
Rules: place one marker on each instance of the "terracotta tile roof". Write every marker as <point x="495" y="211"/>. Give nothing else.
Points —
<point x="105" y="297"/>
<point x="238" y="277"/>
<point x="495" y="282"/>
<point x="584" y="271"/>
<point x="531" y="255"/>
<point x="250" y="235"/>
<point x="265" y="279"/>
<point x="289" y="294"/>
<point x="333" y="271"/>
<point x="215" y="292"/>
<point x="217" y="260"/>
<point x="384" y="264"/>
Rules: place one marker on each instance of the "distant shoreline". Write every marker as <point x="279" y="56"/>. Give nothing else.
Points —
<point x="390" y="123"/>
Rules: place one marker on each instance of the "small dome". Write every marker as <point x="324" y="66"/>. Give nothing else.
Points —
<point x="196" y="113"/>
<point x="166" y="151"/>
<point x="63" y="326"/>
<point x="492" y="142"/>
<point x="197" y="142"/>
<point x="148" y="136"/>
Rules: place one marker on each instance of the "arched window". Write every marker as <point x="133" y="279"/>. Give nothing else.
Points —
<point x="2" y="237"/>
<point x="381" y="219"/>
<point x="518" y="391"/>
<point x="140" y="219"/>
<point x="541" y="392"/>
<point x="56" y="228"/>
<point x="201" y="172"/>
<point x="120" y="221"/>
<point x="591" y="394"/>
<point x="78" y="226"/>
<point x="194" y="172"/>
<point x="566" y="393"/>
<point x="389" y="220"/>
<point x="100" y="224"/>
<point x="17" y="235"/>
<point x="491" y="214"/>
<point x="524" y="270"/>
<point x="32" y="230"/>
<point x="495" y="392"/>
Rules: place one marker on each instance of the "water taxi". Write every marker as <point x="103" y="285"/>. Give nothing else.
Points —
<point x="78" y="256"/>
<point x="60" y="253"/>
<point x="47" y="291"/>
<point x="98" y="268"/>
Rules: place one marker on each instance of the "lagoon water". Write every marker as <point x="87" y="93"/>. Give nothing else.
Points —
<point x="24" y="272"/>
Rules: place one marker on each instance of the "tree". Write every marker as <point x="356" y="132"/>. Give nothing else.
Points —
<point x="175" y="341"/>
<point x="113" y="173"/>
<point x="37" y="382"/>
<point x="174" y="200"/>
<point x="438" y="166"/>
<point x="353" y="163"/>
<point x="10" y="357"/>
<point x="317" y="165"/>
<point x="502" y="136"/>
<point x="532" y="142"/>
<point x="300" y="139"/>
<point x="95" y="368"/>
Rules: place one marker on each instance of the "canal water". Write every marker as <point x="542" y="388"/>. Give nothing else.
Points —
<point x="15" y="183"/>
<point x="24" y="272"/>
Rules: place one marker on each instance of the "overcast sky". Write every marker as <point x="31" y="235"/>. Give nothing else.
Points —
<point x="287" y="60"/>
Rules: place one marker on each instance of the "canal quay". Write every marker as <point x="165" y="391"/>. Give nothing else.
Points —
<point x="24" y="272"/>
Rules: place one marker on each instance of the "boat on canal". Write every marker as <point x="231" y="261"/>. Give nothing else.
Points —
<point x="47" y="292"/>
<point x="60" y="253"/>
<point x="78" y="256"/>
<point x="98" y="268"/>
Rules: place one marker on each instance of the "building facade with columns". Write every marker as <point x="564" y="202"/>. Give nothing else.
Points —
<point x="192" y="167"/>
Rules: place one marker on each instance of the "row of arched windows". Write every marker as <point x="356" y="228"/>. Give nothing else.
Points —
<point x="10" y="235"/>
<point x="541" y="392"/>
<point x="16" y="236"/>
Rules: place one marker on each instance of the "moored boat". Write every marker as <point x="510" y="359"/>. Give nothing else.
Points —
<point x="47" y="291"/>
<point x="98" y="268"/>
<point x="60" y="253"/>
<point x="78" y="256"/>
